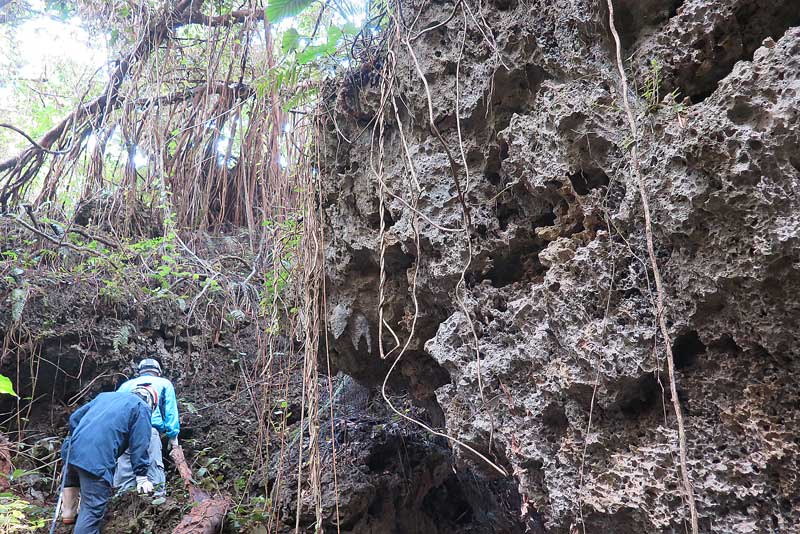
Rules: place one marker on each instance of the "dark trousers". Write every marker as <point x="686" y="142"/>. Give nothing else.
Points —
<point x="95" y="493"/>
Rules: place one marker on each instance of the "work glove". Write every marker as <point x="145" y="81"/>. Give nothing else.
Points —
<point x="173" y="442"/>
<point x="143" y="485"/>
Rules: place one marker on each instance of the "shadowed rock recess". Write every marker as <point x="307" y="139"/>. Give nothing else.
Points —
<point x="558" y="289"/>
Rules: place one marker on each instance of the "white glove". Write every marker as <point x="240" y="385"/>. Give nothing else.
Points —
<point x="143" y="485"/>
<point x="173" y="442"/>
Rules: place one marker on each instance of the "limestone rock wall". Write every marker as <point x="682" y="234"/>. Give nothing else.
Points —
<point x="575" y="401"/>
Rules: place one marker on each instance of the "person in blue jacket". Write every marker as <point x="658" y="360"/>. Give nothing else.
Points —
<point x="98" y="433"/>
<point x="164" y="420"/>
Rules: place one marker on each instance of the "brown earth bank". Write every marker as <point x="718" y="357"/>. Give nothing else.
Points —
<point x="70" y="337"/>
<point x="567" y="389"/>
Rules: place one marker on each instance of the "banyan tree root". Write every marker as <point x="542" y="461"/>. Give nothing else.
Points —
<point x="205" y="518"/>
<point x="207" y="515"/>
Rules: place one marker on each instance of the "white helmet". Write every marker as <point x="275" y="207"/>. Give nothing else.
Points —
<point x="149" y="365"/>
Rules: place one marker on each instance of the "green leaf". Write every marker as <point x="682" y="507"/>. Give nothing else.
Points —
<point x="6" y="386"/>
<point x="261" y="85"/>
<point x="299" y="98"/>
<point x="350" y="29"/>
<point x="280" y="9"/>
<point x="291" y="40"/>
<point x="313" y="52"/>
<point x="334" y="34"/>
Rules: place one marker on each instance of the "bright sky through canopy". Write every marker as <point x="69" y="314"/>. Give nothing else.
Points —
<point x="42" y="39"/>
<point x="36" y="51"/>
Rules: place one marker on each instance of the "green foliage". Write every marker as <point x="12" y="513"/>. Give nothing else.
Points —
<point x="18" y="515"/>
<point x="10" y="254"/>
<point x="312" y="53"/>
<point x="277" y="280"/>
<point x="61" y="8"/>
<point x="17" y="474"/>
<point x="290" y="41"/>
<point x="281" y="9"/>
<point x="168" y="263"/>
<point x="6" y="387"/>
<point x="652" y="83"/>
<point x="212" y="469"/>
<point x="112" y="291"/>
<point x="294" y="42"/>
<point x="240" y="484"/>
<point x="41" y="90"/>
<point x="652" y="86"/>
<point x="121" y="338"/>
<point x="247" y="515"/>
<point x="190" y="407"/>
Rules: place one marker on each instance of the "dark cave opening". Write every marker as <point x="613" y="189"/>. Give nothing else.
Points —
<point x="519" y="264"/>
<point x="674" y="9"/>
<point x="388" y="220"/>
<point x="686" y="348"/>
<point x="382" y="456"/>
<point x="639" y="397"/>
<point x="493" y="178"/>
<point x="505" y="212"/>
<point x="586" y="180"/>
<point x="52" y="377"/>
<point x="555" y="422"/>
<point x="447" y="502"/>
<point x="633" y="17"/>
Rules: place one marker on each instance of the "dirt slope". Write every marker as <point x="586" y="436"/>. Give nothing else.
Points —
<point x="72" y="337"/>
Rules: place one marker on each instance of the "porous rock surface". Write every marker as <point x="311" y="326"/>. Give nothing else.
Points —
<point x="557" y="291"/>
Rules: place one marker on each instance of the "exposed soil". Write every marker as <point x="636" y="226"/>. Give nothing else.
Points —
<point x="239" y="436"/>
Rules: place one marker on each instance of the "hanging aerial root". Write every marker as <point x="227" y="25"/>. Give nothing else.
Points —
<point x="387" y="95"/>
<point x="662" y="322"/>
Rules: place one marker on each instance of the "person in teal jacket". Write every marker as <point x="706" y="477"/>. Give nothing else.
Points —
<point x="165" y="420"/>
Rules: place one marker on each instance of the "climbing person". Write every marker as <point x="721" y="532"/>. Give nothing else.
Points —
<point x="164" y="420"/>
<point x="98" y="433"/>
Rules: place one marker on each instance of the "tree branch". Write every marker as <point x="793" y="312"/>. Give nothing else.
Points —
<point x="27" y="163"/>
<point x="153" y="38"/>
<point x="60" y="243"/>
<point x="33" y="142"/>
<point x="242" y="91"/>
<point x="234" y="17"/>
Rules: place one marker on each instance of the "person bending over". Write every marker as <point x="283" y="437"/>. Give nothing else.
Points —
<point x="98" y="434"/>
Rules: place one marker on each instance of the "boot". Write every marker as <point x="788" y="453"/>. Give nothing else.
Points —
<point x="69" y="505"/>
